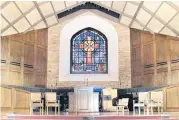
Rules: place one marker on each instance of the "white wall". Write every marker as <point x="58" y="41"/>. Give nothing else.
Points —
<point x="81" y="22"/>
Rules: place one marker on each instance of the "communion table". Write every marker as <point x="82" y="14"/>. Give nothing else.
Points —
<point x="83" y="99"/>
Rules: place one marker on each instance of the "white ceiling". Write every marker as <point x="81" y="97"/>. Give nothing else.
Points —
<point x="154" y="16"/>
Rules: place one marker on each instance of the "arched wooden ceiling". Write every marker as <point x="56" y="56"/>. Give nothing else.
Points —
<point x="155" y="16"/>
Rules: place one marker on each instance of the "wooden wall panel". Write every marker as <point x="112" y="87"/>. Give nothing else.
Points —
<point x="14" y="100"/>
<point x="41" y="60"/>
<point x="161" y="48"/>
<point x="40" y="80"/>
<point x="136" y="66"/>
<point x="135" y="35"/>
<point x="23" y="97"/>
<point x="4" y="48"/>
<point x="172" y="98"/>
<point x="15" y="78"/>
<point x="3" y="77"/>
<point x="175" y="54"/>
<point x="148" y="58"/>
<point x="159" y="59"/>
<point x="16" y="37"/>
<point x="28" y="79"/>
<point x="16" y="51"/>
<point x="6" y="96"/>
<point x="175" y="77"/>
<point x="161" y="79"/>
<point x="28" y="54"/>
<point x="25" y="55"/>
<point x="175" y="49"/>
<point x="136" y="58"/>
<point x="148" y="54"/>
<point x="28" y="57"/>
<point x="146" y="37"/>
<point x="147" y="80"/>
<point x="29" y="37"/>
<point x="42" y="36"/>
<point x="137" y="81"/>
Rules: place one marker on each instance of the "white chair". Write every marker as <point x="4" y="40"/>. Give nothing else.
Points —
<point x="35" y="101"/>
<point x="51" y="101"/>
<point x="123" y="104"/>
<point x="156" y="101"/>
<point x="119" y="103"/>
<point x="142" y="100"/>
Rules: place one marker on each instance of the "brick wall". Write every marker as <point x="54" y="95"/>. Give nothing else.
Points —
<point x="53" y="74"/>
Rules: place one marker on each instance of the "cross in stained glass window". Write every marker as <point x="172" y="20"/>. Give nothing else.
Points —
<point x="89" y="46"/>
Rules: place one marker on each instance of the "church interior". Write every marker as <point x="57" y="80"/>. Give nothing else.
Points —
<point x="89" y="60"/>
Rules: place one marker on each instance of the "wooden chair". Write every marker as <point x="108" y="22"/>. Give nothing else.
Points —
<point x="142" y="100"/>
<point x="35" y="101"/>
<point x="156" y="101"/>
<point x="51" y="101"/>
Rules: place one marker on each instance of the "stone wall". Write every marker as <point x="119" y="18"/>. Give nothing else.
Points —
<point x="53" y="79"/>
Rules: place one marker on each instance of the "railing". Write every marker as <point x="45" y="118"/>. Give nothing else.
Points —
<point x="14" y="100"/>
<point x="170" y="97"/>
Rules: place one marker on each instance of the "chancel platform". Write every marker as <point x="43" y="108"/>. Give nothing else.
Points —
<point x="98" y="59"/>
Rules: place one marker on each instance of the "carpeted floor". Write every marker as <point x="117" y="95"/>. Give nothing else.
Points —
<point x="93" y="116"/>
<point x="53" y="117"/>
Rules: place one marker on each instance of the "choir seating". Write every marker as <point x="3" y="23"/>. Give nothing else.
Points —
<point x="35" y="101"/>
<point x="51" y="101"/>
<point x="143" y="98"/>
<point x="156" y="101"/>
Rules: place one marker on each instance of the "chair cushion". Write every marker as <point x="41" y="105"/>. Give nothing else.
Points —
<point x="139" y="104"/>
<point x="154" y="104"/>
<point x="36" y="104"/>
<point x="51" y="104"/>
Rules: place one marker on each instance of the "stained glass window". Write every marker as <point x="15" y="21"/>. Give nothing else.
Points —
<point x="89" y="53"/>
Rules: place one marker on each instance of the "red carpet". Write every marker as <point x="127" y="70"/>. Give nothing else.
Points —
<point x="45" y="117"/>
<point x="50" y="117"/>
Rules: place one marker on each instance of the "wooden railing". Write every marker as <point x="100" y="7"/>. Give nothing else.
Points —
<point x="170" y="98"/>
<point x="14" y="100"/>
